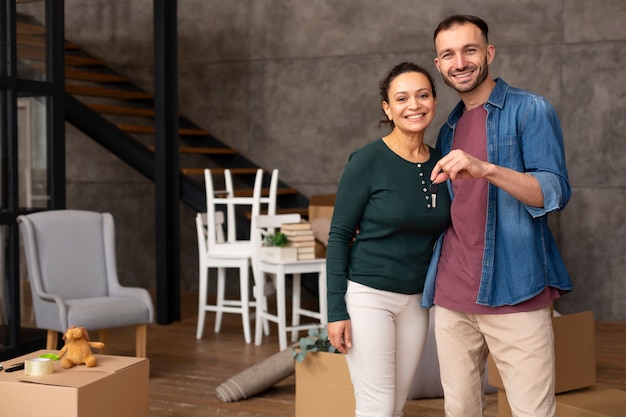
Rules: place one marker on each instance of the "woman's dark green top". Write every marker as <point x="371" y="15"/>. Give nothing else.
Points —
<point x="388" y="199"/>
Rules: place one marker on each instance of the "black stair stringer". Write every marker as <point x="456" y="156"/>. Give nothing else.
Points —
<point x="125" y="147"/>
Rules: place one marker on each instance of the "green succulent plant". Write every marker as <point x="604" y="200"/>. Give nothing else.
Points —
<point x="276" y="239"/>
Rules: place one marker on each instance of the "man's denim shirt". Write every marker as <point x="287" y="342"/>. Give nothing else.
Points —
<point x="521" y="257"/>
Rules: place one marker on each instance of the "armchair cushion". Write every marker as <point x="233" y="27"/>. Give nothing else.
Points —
<point x="95" y="313"/>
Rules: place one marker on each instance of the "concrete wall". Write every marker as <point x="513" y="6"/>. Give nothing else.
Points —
<point x="293" y="85"/>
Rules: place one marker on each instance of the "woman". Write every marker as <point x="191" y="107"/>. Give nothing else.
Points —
<point x="375" y="279"/>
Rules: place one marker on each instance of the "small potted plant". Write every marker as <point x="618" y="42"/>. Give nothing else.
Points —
<point x="275" y="248"/>
<point x="278" y="239"/>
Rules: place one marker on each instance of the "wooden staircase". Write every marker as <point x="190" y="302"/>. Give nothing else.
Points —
<point x="112" y="103"/>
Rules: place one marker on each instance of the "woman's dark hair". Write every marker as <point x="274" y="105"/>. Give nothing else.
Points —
<point x="461" y="19"/>
<point x="396" y="71"/>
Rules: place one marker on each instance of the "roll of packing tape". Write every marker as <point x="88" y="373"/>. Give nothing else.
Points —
<point x="38" y="366"/>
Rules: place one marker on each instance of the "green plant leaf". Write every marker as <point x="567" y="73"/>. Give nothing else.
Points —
<point x="278" y="239"/>
<point x="316" y="341"/>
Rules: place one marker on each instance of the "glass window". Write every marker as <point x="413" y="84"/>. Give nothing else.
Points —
<point x="32" y="169"/>
<point x="31" y="39"/>
<point x="5" y="318"/>
<point x="28" y="326"/>
<point x="5" y="314"/>
<point x="27" y="314"/>
<point x="3" y="148"/>
<point x="3" y="40"/>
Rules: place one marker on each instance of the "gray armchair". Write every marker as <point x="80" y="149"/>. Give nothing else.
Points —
<point x="72" y="269"/>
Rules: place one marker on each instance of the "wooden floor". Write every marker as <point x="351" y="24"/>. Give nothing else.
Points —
<point x="184" y="372"/>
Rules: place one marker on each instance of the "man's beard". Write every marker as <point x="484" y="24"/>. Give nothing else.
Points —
<point x="482" y="76"/>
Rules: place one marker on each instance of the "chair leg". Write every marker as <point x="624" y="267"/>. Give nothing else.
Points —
<point x="261" y="325"/>
<point x="295" y="304"/>
<point x="281" y="310"/>
<point x="221" y="286"/>
<point x="141" y="340"/>
<point x="104" y="337"/>
<point x="272" y="289"/>
<point x="202" y="296"/>
<point x="260" y="295"/>
<point x="52" y="339"/>
<point x="323" y="301"/>
<point x="244" y="283"/>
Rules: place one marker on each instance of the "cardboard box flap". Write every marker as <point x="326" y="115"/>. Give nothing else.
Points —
<point x="76" y="376"/>
<point x="79" y="391"/>
<point x="63" y="378"/>
<point x="595" y="401"/>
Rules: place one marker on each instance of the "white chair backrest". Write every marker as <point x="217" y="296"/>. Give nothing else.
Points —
<point x="70" y="253"/>
<point x="231" y="227"/>
<point x="202" y="232"/>
<point x="228" y="199"/>
<point x="270" y="200"/>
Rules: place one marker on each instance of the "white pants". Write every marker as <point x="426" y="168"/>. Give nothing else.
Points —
<point x="388" y="335"/>
<point x="522" y="347"/>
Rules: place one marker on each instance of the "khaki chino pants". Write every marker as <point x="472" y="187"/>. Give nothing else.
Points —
<point x="522" y="346"/>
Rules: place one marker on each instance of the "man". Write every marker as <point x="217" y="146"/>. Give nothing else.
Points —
<point x="497" y="267"/>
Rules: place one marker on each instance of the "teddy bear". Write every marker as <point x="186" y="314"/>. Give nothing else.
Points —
<point x="77" y="349"/>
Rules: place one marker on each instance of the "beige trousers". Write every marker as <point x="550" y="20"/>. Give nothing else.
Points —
<point x="522" y="346"/>
<point x="388" y="335"/>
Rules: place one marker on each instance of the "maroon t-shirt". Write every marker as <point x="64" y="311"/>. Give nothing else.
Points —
<point x="460" y="265"/>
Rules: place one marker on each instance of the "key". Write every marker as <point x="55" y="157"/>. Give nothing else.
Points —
<point x="433" y="189"/>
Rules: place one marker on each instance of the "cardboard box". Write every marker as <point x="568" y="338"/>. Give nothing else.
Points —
<point x="116" y="386"/>
<point x="596" y="401"/>
<point x="321" y="206"/>
<point x="575" y="353"/>
<point x="592" y="402"/>
<point x="323" y="386"/>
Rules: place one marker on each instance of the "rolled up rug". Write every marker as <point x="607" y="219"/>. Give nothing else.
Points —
<point x="257" y="378"/>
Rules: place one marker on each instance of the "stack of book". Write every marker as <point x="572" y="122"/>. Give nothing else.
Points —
<point x="300" y="236"/>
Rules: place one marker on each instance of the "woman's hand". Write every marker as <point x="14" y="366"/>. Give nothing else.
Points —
<point x="340" y="335"/>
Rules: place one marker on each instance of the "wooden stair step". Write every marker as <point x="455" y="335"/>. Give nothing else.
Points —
<point x="207" y="151"/>
<point x="121" y="110"/>
<point x="219" y="171"/>
<point x="81" y="61"/>
<point x="29" y="40"/>
<point x="70" y="46"/>
<point x="39" y="41"/>
<point x="302" y="211"/>
<point x="29" y="29"/>
<point x="247" y="192"/>
<point x="39" y="54"/>
<point x="204" y="151"/>
<point x="30" y="53"/>
<point x="106" y="92"/>
<point x="73" y="74"/>
<point x="150" y="130"/>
